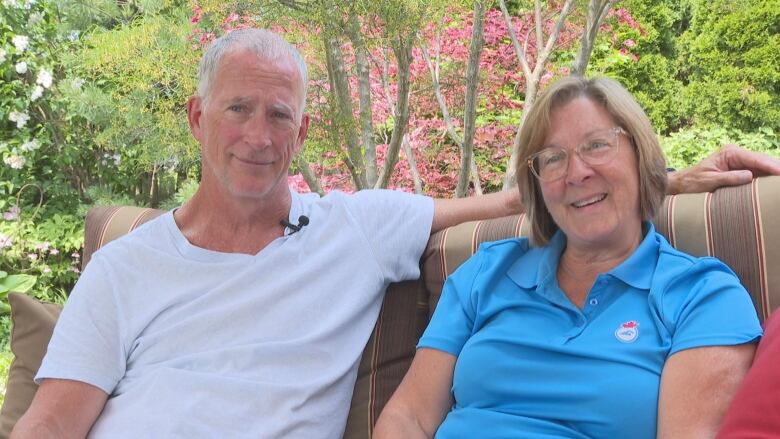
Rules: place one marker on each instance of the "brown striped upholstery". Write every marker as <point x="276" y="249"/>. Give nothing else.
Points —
<point x="733" y="224"/>
<point x="104" y="224"/>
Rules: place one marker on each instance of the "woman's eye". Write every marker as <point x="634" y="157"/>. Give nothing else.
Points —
<point x="596" y="146"/>
<point x="552" y="159"/>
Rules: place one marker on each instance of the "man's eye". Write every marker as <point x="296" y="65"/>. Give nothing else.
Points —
<point x="237" y="108"/>
<point x="281" y="115"/>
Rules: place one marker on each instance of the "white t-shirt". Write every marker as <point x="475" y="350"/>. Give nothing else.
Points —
<point x="190" y="342"/>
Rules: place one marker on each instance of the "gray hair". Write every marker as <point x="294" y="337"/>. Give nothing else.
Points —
<point x="263" y="42"/>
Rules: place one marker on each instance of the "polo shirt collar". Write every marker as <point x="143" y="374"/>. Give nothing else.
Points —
<point x="638" y="269"/>
<point x="545" y="259"/>
<point x="635" y="271"/>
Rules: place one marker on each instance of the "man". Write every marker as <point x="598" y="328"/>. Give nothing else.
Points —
<point x="218" y="320"/>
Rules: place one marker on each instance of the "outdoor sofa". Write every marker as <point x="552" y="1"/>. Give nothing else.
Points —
<point x="735" y="224"/>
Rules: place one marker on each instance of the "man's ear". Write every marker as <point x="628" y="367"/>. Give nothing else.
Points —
<point x="194" y="112"/>
<point x="302" y="131"/>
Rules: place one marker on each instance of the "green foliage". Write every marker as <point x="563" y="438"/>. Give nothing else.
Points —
<point x="642" y="57"/>
<point x="731" y="56"/>
<point x="142" y="75"/>
<point x="689" y="146"/>
<point x="6" y="357"/>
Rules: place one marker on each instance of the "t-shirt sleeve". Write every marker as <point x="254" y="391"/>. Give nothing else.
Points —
<point x="396" y="226"/>
<point x="707" y="306"/>
<point x="453" y="320"/>
<point x="86" y="344"/>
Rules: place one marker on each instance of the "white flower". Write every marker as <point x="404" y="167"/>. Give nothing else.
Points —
<point x="20" y="118"/>
<point x="20" y="42"/>
<point x="32" y="145"/>
<point x="15" y="161"/>
<point x="44" y="78"/>
<point x="74" y="35"/>
<point x="21" y="68"/>
<point x="3" y="53"/>
<point x="46" y="270"/>
<point x="35" y="18"/>
<point x="11" y="3"/>
<point x="77" y="83"/>
<point x="36" y="93"/>
<point x="117" y="159"/>
<point x="5" y="241"/>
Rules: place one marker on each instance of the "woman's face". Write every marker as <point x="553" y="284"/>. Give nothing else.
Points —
<point x="596" y="206"/>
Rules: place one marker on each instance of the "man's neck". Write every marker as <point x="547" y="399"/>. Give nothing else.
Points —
<point x="230" y="224"/>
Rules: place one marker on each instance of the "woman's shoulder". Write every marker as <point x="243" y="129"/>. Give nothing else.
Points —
<point x="674" y="263"/>
<point x="505" y="248"/>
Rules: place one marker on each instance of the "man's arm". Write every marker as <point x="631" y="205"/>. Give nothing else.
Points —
<point x="449" y="212"/>
<point x="731" y="166"/>
<point x="61" y="409"/>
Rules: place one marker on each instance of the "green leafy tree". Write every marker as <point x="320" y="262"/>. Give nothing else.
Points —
<point x="731" y="63"/>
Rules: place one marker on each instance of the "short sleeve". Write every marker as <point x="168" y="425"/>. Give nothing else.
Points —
<point x="396" y="226"/>
<point x="453" y="321"/>
<point x="707" y="306"/>
<point x="86" y="345"/>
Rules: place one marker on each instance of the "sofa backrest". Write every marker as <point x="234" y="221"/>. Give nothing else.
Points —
<point x="733" y="224"/>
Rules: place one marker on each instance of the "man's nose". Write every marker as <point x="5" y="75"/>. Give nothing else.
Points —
<point x="257" y="133"/>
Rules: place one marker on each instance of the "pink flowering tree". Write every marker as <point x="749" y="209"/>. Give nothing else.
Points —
<point x="389" y="96"/>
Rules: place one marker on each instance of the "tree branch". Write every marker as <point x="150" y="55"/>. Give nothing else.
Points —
<point x="308" y="175"/>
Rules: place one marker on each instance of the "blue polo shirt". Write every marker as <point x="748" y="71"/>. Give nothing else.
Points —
<point x="531" y="364"/>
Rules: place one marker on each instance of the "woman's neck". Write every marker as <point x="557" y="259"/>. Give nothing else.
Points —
<point x="579" y="266"/>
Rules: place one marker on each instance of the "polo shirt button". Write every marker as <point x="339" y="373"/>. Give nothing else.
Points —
<point x="594" y="302"/>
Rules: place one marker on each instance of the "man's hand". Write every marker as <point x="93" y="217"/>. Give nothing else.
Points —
<point x="731" y="166"/>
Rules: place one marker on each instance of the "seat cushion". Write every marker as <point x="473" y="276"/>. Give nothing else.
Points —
<point x="32" y="325"/>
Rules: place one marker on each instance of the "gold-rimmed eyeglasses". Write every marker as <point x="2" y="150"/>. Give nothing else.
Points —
<point x="552" y="162"/>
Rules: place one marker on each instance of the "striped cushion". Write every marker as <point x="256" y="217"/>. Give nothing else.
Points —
<point x="104" y="224"/>
<point x="730" y="223"/>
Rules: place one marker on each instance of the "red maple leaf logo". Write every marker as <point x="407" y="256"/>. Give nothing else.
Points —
<point x="630" y="324"/>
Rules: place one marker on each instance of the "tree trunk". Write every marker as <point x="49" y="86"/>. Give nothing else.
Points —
<point x="472" y="90"/>
<point x="342" y="117"/>
<point x="364" y="91"/>
<point x="597" y="12"/>
<point x="402" y="48"/>
<point x="531" y="76"/>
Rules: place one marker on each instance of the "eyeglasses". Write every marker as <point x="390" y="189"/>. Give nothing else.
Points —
<point x="552" y="163"/>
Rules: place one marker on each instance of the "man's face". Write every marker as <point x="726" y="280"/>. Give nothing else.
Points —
<point x="250" y="125"/>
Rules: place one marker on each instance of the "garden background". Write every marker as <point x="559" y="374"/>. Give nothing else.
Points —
<point x="422" y="96"/>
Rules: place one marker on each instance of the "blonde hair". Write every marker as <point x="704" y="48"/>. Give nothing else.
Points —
<point x="627" y="114"/>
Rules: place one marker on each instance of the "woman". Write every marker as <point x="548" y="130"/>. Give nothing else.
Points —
<point x="597" y="327"/>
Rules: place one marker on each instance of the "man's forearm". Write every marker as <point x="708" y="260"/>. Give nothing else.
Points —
<point x="448" y="212"/>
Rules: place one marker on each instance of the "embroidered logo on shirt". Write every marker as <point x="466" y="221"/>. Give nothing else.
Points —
<point x="628" y="332"/>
